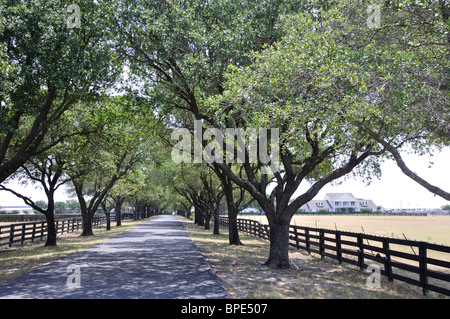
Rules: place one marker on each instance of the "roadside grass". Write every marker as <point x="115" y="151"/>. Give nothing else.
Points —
<point x="18" y="260"/>
<point x="241" y="270"/>
<point x="431" y="228"/>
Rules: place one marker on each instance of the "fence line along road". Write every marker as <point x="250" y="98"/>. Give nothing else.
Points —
<point x="401" y="259"/>
<point x="31" y="231"/>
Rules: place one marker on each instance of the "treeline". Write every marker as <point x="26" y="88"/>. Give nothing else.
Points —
<point x="132" y="100"/>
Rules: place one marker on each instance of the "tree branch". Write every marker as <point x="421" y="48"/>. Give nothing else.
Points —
<point x="402" y="165"/>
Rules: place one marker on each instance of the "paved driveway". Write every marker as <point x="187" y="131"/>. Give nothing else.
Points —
<point x="156" y="259"/>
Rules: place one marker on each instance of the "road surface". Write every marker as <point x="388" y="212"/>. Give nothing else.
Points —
<point x="155" y="260"/>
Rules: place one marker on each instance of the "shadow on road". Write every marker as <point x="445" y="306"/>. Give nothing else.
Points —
<point x="156" y="259"/>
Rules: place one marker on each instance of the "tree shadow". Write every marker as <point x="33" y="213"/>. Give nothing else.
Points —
<point x="154" y="260"/>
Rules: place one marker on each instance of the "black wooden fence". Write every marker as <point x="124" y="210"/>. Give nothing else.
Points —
<point x="32" y="231"/>
<point x="419" y="263"/>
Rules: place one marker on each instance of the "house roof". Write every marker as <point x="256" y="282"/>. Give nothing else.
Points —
<point x="370" y="204"/>
<point x="314" y="204"/>
<point x="334" y="196"/>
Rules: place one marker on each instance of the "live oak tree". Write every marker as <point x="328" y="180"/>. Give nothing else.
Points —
<point x="419" y="34"/>
<point x="236" y="198"/>
<point x="94" y="176"/>
<point x="410" y="92"/>
<point x="47" y="172"/>
<point x="179" y="51"/>
<point x="336" y="90"/>
<point x="204" y="192"/>
<point x="123" y="189"/>
<point x="47" y="66"/>
<point x="48" y="169"/>
<point x="108" y="156"/>
<point x="150" y="195"/>
<point x="185" y="181"/>
<point x="323" y="91"/>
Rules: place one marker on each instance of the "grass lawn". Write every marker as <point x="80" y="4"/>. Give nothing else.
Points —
<point x="431" y="228"/>
<point x="241" y="270"/>
<point x="17" y="260"/>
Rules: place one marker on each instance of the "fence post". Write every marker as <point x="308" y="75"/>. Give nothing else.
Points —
<point x="297" y="245"/>
<point x="34" y="232"/>
<point x="11" y="235"/>
<point x="423" y="267"/>
<point x="321" y="243"/>
<point x="23" y="234"/>
<point x="338" y="246"/>
<point x="387" y="260"/>
<point x="42" y="230"/>
<point x="259" y="230"/>
<point x="307" y="241"/>
<point x="360" y="251"/>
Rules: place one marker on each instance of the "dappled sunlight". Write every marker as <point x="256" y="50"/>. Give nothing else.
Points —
<point x="242" y="271"/>
<point x="153" y="260"/>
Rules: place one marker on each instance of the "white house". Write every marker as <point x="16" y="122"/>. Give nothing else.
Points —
<point x="339" y="202"/>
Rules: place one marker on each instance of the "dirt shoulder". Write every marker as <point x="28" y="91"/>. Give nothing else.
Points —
<point x="241" y="270"/>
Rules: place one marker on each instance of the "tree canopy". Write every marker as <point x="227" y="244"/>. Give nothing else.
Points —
<point x="93" y="95"/>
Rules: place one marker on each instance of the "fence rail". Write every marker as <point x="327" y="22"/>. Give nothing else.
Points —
<point x="418" y="263"/>
<point x="31" y="231"/>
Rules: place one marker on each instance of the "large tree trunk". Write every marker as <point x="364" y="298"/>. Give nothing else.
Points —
<point x="108" y="220"/>
<point x="107" y="214"/>
<point x="196" y="216"/>
<point x="85" y="212"/>
<point x="279" y="245"/>
<point x="216" y="224"/>
<point x="87" y="223"/>
<point x="227" y="186"/>
<point x="201" y="217"/>
<point x="207" y="220"/>
<point x="51" y="229"/>
<point x="233" y="230"/>
<point x="118" y="212"/>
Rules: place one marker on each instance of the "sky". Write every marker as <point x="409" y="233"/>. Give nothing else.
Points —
<point x="393" y="190"/>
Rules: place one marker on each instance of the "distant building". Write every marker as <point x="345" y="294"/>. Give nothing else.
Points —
<point x="339" y="202"/>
